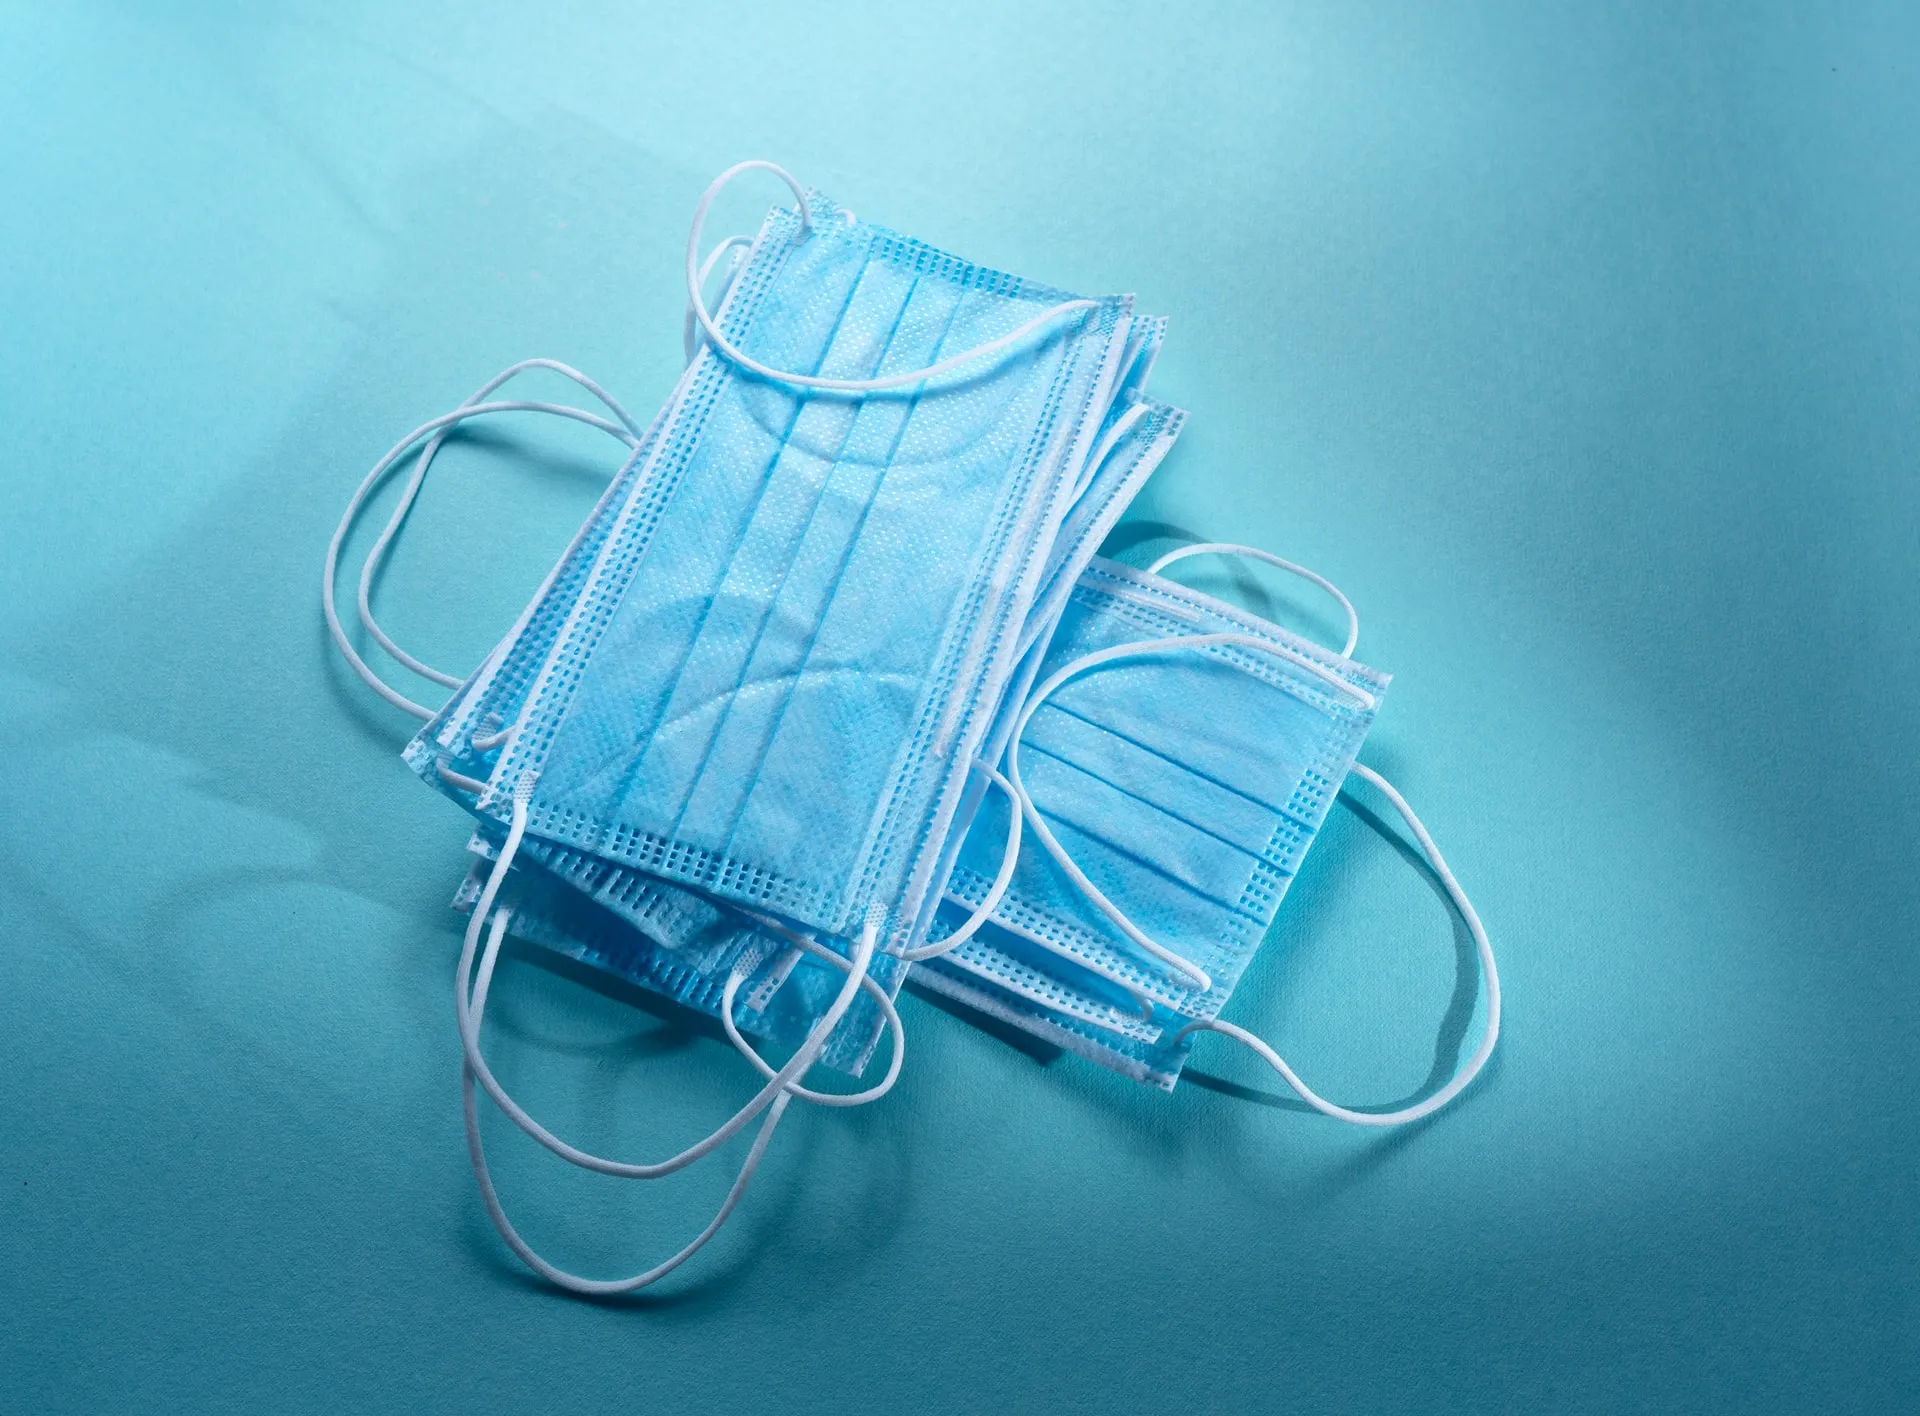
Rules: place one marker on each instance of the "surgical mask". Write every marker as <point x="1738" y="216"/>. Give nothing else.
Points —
<point x="1183" y="782"/>
<point x="1134" y="438"/>
<point x="780" y="948"/>
<point x="688" y="942"/>
<point x="1063" y="392"/>
<point x="704" y="936"/>
<point x="1174" y="765"/>
<point x="775" y="673"/>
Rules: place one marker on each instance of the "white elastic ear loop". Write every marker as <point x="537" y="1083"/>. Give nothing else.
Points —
<point x="691" y="336"/>
<point x="1230" y="548"/>
<point x="476" y="1153"/>
<point x="1197" y="976"/>
<point x="1010" y="857"/>
<point x="720" y="342"/>
<point x="1492" y="1034"/>
<point x="803" y="945"/>
<point x="795" y="1066"/>
<point x="331" y="568"/>
<point x="377" y="555"/>
<point x="982" y="912"/>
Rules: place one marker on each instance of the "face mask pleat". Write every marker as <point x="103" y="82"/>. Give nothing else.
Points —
<point x="805" y="634"/>
<point x="1159" y="855"/>
<point x="1187" y="787"/>
<point x="672" y="917"/>
<point x="1071" y="730"/>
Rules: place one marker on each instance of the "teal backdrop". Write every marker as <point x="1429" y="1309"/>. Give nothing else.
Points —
<point x="1578" y="344"/>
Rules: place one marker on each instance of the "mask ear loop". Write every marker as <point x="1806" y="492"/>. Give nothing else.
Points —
<point x="1197" y="978"/>
<point x="1010" y="857"/>
<point x="795" y="1066"/>
<point x="404" y="507"/>
<point x="983" y="912"/>
<point x="803" y="945"/>
<point x="330" y="570"/>
<point x="1488" y="1038"/>
<point x="476" y="1153"/>
<point x="733" y="354"/>
<point x="1230" y="548"/>
<point x="691" y="335"/>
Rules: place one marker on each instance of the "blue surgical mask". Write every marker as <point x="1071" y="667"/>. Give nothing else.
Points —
<point x="1187" y="785"/>
<point x="1173" y="811"/>
<point x="1133" y="438"/>
<point x="774" y="674"/>
<point x="757" y="559"/>
<point x="731" y="710"/>
<point x="687" y="942"/>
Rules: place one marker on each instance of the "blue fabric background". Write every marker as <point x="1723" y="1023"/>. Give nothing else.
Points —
<point x="1577" y="344"/>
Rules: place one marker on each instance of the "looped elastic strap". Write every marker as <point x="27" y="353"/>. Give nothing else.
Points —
<point x="490" y="1197"/>
<point x="469" y="1000"/>
<point x="802" y="1059"/>
<point x="691" y="335"/>
<point x="982" y="912"/>
<point x="1488" y="1038"/>
<point x="436" y="430"/>
<point x="1010" y="857"/>
<point x="697" y="302"/>
<point x="1233" y="548"/>
<point x="803" y="945"/>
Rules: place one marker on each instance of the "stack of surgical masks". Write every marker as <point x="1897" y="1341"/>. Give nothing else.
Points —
<point x="832" y="686"/>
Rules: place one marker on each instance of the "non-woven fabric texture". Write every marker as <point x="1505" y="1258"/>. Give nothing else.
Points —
<point x="699" y="937"/>
<point x="797" y="613"/>
<point x="1188" y="785"/>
